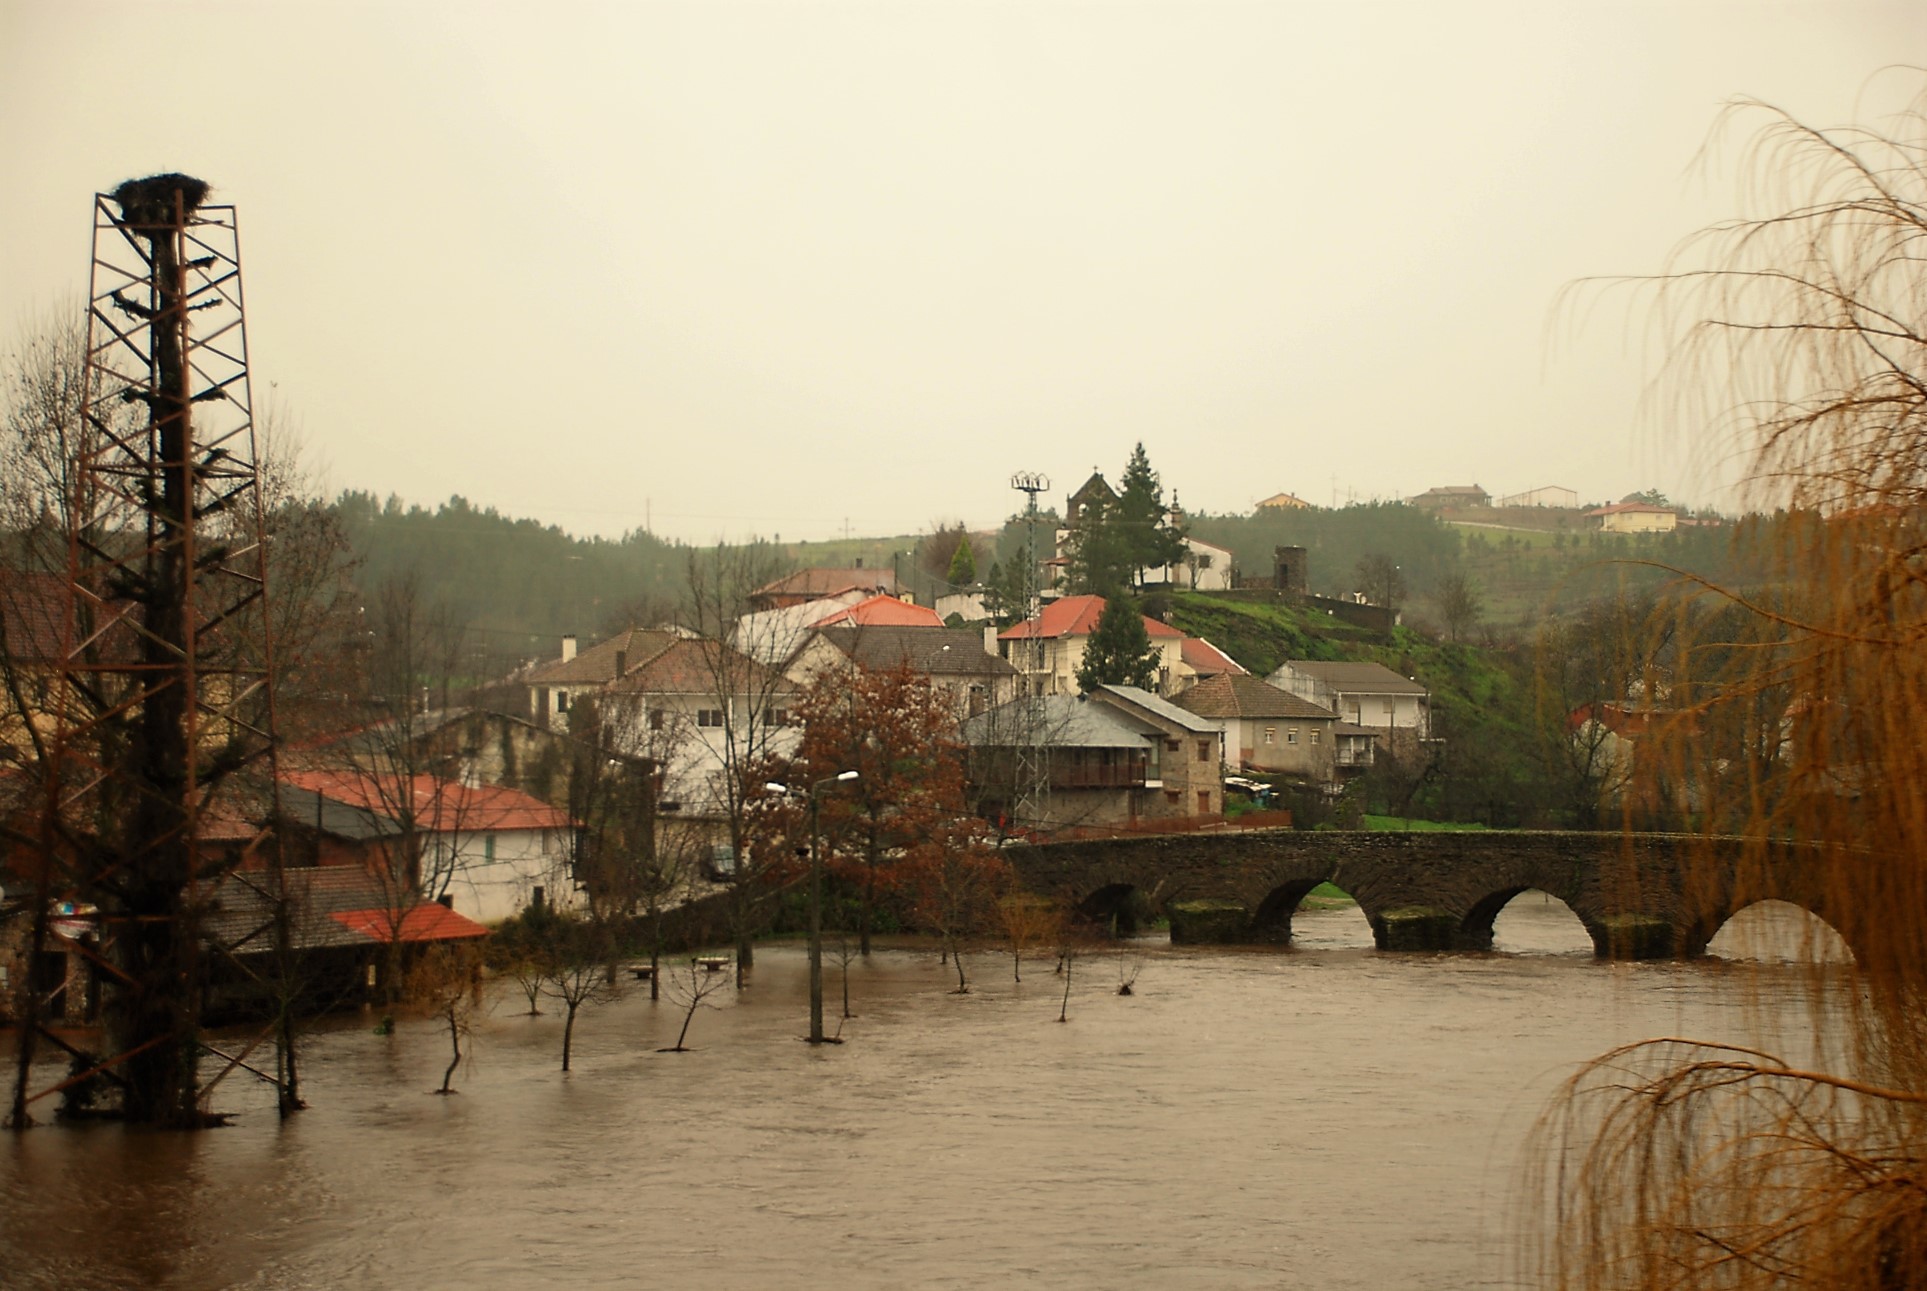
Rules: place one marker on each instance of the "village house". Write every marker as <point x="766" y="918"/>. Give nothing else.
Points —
<point x="1369" y="695"/>
<point x="1449" y="496"/>
<point x="1284" y="502"/>
<point x="554" y="685"/>
<point x="818" y="584"/>
<point x="966" y="676"/>
<point x="1274" y="732"/>
<point x="1634" y="517"/>
<point x="1049" y="649"/>
<point x="1117" y="757"/>
<point x="486" y="851"/>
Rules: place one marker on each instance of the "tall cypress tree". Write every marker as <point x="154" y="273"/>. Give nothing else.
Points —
<point x="1120" y="652"/>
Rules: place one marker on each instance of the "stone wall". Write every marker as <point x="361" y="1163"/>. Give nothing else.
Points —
<point x="1638" y="895"/>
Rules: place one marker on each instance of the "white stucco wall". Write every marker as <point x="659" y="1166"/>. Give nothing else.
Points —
<point x="490" y="889"/>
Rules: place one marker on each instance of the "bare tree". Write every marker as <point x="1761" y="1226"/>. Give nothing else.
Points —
<point x="579" y="955"/>
<point x="748" y="734"/>
<point x="691" y="987"/>
<point x="445" y="982"/>
<point x="1459" y="603"/>
<point x="1029" y="922"/>
<point x="1380" y="579"/>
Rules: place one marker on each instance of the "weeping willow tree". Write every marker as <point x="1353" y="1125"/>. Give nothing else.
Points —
<point x="1799" y="333"/>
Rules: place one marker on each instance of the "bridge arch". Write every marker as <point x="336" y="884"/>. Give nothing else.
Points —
<point x="1271" y="917"/>
<point x="1476" y="929"/>
<point x="1816" y="939"/>
<point x="1113" y="906"/>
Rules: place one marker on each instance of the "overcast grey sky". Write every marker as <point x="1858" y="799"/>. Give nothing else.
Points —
<point x="762" y="268"/>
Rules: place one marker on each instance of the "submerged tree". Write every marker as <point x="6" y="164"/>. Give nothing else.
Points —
<point x="1799" y="330"/>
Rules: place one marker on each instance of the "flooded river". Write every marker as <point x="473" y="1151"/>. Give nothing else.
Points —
<point x="1326" y="1117"/>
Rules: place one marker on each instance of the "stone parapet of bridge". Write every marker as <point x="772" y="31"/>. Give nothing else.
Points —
<point x="1639" y="896"/>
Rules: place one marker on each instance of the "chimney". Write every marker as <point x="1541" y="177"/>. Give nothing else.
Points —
<point x="622" y="663"/>
<point x="568" y="646"/>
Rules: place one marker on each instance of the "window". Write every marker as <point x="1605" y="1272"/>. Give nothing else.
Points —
<point x="779" y="717"/>
<point x="1170" y="746"/>
<point x="488" y="847"/>
<point x="1171" y="796"/>
<point x="1271" y="735"/>
<point x="655" y="719"/>
<point x="1204" y="802"/>
<point x="709" y="717"/>
<point x="1291" y="736"/>
<point x="1204" y="750"/>
<point x="1315" y="733"/>
<point x="561" y="701"/>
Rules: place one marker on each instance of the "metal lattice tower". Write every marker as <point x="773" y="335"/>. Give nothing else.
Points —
<point x="1033" y="758"/>
<point x="161" y="709"/>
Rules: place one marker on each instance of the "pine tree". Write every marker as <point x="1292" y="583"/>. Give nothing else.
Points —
<point x="963" y="563"/>
<point x="1147" y="534"/>
<point x="1120" y="652"/>
<point x="1101" y="558"/>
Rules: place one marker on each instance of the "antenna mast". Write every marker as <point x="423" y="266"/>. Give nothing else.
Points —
<point x="1033" y="759"/>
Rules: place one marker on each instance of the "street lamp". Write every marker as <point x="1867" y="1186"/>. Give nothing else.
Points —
<point x="816" y="896"/>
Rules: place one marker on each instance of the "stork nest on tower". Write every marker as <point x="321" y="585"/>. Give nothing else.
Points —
<point x="151" y="200"/>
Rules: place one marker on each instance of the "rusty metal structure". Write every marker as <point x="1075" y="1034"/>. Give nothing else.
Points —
<point x="159" y="714"/>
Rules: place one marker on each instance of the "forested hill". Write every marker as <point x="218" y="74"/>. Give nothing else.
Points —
<point x="1520" y="574"/>
<point x="518" y="584"/>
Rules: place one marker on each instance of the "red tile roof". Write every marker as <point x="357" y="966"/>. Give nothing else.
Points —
<point x="440" y="806"/>
<point x="1207" y="660"/>
<point x="1077" y="616"/>
<point x="883" y="611"/>
<point x="426" y="922"/>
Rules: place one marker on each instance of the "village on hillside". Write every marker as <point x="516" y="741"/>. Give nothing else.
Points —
<point x="1055" y="695"/>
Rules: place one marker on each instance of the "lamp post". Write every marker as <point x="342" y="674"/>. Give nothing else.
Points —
<point x="816" y="896"/>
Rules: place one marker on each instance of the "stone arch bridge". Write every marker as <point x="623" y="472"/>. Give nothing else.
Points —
<point x="1640" y="896"/>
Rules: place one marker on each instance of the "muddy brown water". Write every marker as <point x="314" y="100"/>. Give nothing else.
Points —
<point x="1324" y="1117"/>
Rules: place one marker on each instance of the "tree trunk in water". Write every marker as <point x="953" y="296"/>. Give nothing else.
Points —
<point x="1064" y="1013"/>
<point x="869" y="897"/>
<point x="568" y="1035"/>
<point x="454" y="1043"/>
<point x="956" y="957"/>
<point x="655" y="969"/>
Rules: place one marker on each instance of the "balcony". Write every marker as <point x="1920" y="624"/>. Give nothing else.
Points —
<point x="1097" y="777"/>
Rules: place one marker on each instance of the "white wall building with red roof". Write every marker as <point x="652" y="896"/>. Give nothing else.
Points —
<point x="1048" y="650"/>
<point x="490" y="850"/>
